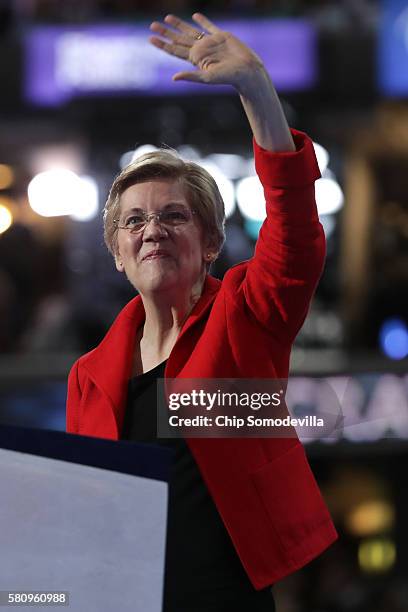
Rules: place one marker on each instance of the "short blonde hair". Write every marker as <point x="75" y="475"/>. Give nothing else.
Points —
<point x="200" y="190"/>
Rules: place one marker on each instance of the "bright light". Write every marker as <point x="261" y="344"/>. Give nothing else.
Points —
<point x="232" y="165"/>
<point x="6" y="218"/>
<point x="329" y="223"/>
<point x="377" y="555"/>
<point x="6" y="176"/>
<point x="91" y="200"/>
<point x="224" y="185"/>
<point x="251" y="199"/>
<point x="370" y="518"/>
<point x="329" y="196"/>
<point x="187" y="152"/>
<point x="125" y="159"/>
<point x="59" y="192"/>
<point x="322" y="156"/>
<point x="394" y="338"/>
<point x="130" y="156"/>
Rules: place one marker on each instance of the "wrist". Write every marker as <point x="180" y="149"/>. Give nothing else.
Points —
<point x="255" y="81"/>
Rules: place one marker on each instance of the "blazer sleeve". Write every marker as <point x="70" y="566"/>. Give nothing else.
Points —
<point x="73" y="400"/>
<point x="289" y="255"/>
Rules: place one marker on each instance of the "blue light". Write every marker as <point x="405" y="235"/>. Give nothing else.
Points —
<point x="252" y="228"/>
<point x="394" y="338"/>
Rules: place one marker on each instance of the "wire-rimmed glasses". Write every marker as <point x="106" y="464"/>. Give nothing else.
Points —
<point x="138" y="220"/>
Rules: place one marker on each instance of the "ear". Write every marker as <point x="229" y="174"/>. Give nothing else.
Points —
<point x="119" y="263"/>
<point x="210" y="252"/>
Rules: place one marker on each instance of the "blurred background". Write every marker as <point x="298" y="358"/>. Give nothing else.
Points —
<point x="82" y="92"/>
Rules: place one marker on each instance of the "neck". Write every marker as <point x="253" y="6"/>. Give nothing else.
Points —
<point x="166" y="313"/>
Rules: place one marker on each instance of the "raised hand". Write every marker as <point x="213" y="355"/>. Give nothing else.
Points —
<point x="219" y="56"/>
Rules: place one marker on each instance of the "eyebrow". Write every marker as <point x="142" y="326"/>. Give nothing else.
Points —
<point x="169" y="205"/>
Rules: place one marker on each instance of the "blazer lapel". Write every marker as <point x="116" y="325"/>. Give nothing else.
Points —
<point x="110" y="364"/>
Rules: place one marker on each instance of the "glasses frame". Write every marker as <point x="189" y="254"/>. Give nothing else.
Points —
<point x="154" y="215"/>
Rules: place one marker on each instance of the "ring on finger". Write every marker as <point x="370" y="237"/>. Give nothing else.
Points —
<point x="199" y="35"/>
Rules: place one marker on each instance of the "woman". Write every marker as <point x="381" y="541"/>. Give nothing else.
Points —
<point x="243" y="513"/>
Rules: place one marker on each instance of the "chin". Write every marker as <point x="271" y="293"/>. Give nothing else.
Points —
<point x="156" y="283"/>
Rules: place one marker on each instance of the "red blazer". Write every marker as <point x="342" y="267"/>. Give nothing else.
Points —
<point x="242" y="327"/>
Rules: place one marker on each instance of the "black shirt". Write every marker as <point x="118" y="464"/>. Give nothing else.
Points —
<point x="202" y="569"/>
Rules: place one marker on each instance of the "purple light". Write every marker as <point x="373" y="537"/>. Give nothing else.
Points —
<point x="64" y="62"/>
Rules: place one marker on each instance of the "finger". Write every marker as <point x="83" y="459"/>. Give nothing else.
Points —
<point x="181" y="25"/>
<point x="159" y="28"/>
<point x="204" y="22"/>
<point x="170" y="48"/>
<point x="197" y="76"/>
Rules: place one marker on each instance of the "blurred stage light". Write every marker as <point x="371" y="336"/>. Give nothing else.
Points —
<point x="232" y="165"/>
<point x="393" y="338"/>
<point x="189" y="153"/>
<point x="224" y="185"/>
<point x="60" y="192"/>
<point x="328" y="328"/>
<point x="252" y="228"/>
<point x="251" y="199"/>
<point x="370" y="518"/>
<point x="7" y="202"/>
<point x="125" y="159"/>
<point x="130" y="156"/>
<point x="322" y="156"/>
<point x="329" y="223"/>
<point x="377" y="555"/>
<point x="6" y="218"/>
<point x="90" y="205"/>
<point x="6" y="176"/>
<point x="329" y="196"/>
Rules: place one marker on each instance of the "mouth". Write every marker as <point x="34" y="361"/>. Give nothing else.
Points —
<point x="156" y="255"/>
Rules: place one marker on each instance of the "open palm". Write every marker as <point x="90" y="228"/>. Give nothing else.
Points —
<point x="219" y="56"/>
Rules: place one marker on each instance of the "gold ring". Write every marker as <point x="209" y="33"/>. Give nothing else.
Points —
<point x="199" y="36"/>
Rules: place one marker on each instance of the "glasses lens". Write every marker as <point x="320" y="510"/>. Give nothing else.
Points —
<point x="135" y="223"/>
<point x="175" y="217"/>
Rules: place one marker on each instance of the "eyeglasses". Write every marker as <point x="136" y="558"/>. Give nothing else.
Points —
<point x="136" y="222"/>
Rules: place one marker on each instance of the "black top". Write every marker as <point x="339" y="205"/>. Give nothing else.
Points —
<point x="202" y="569"/>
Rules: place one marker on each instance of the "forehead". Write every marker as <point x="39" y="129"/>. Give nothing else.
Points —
<point x="154" y="194"/>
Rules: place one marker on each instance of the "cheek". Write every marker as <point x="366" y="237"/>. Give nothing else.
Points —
<point x="196" y="243"/>
<point x="128" y="245"/>
<point x="194" y="249"/>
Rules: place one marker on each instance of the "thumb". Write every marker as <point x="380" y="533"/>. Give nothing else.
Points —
<point x="197" y="76"/>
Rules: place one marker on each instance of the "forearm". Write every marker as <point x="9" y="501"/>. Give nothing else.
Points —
<point x="289" y="255"/>
<point x="265" y="113"/>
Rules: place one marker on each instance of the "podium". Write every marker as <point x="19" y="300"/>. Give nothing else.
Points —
<point x="84" y="516"/>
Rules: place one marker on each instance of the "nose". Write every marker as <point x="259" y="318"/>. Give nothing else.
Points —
<point x="154" y="231"/>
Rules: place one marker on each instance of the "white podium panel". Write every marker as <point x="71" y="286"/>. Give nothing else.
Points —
<point x="98" y="534"/>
